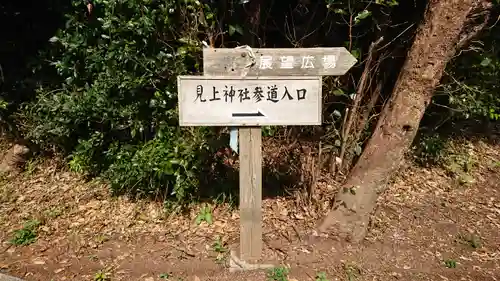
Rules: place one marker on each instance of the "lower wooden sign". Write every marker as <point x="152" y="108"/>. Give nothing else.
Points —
<point x="249" y="101"/>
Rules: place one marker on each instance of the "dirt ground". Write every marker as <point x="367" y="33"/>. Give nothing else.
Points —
<point x="429" y="225"/>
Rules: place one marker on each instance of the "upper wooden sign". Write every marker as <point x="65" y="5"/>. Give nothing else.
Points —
<point x="275" y="62"/>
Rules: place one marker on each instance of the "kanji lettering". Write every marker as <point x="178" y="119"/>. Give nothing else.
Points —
<point x="329" y="61"/>
<point x="272" y="93"/>
<point x="266" y="62"/>
<point x="307" y="62"/>
<point x="243" y="94"/>
<point x="199" y="93"/>
<point x="229" y="93"/>
<point x="287" y="62"/>
<point x="301" y="94"/>
<point x="258" y="94"/>
<point x="214" y="95"/>
<point x="287" y="94"/>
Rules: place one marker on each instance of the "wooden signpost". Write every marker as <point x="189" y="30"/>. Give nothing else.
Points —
<point x="249" y="88"/>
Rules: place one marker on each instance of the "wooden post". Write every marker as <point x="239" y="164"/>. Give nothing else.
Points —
<point x="250" y="139"/>
<point x="233" y="93"/>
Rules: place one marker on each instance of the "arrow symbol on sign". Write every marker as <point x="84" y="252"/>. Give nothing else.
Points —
<point x="249" y="114"/>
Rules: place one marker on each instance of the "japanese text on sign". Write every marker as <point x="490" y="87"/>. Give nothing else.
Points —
<point x="230" y="94"/>
<point x="288" y="62"/>
<point x="241" y="62"/>
<point x="232" y="101"/>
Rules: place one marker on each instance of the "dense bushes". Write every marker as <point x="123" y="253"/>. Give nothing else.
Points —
<point x="114" y="111"/>
<point x="471" y="84"/>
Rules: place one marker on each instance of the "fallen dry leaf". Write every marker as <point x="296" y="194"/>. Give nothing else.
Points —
<point x="38" y="261"/>
<point x="410" y="211"/>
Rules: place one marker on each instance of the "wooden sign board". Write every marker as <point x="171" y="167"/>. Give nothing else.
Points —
<point x="277" y="62"/>
<point x="252" y="101"/>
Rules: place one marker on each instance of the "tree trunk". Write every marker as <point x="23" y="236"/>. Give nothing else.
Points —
<point x="435" y="43"/>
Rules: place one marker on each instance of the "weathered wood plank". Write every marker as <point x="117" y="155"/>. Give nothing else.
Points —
<point x="250" y="101"/>
<point x="276" y="62"/>
<point x="250" y="193"/>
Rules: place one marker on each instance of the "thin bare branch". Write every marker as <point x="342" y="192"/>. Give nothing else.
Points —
<point x="466" y="37"/>
<point x="350" y="114"/>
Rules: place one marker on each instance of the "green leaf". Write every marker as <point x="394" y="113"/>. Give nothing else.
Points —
<point x="239" y="29"/>
<point x="198" y="219"/>
<point x="182" y="50"/>
<point x="164" y="276"/>
<point x="231" y="30"/>
<point x="450" y="263"/>
<point x="208" y="218"/>
<point x="389" y="3"/>
<point x="362" y="15"/>
<point x="3" y="104"/>
<point x="493" y="114"/>
<point x="338" y="92"/>
<point x="355" y="53"/>
<point x="486" y="62"/>
<point x="175" y="161"/>
<point x="235" y="28"/>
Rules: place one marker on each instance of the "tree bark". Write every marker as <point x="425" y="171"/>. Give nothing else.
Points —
<point x="435" y="43"/>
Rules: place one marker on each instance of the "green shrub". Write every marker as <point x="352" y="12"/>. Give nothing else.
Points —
<point x="171" y="164"/>
<point x="430" y="150"/>
<point x="471" y="82"/>
<point x="114" y="113"/>
<point x="26" y="235"/>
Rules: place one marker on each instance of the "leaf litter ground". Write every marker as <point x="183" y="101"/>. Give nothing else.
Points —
<point x="429" y="225"/>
